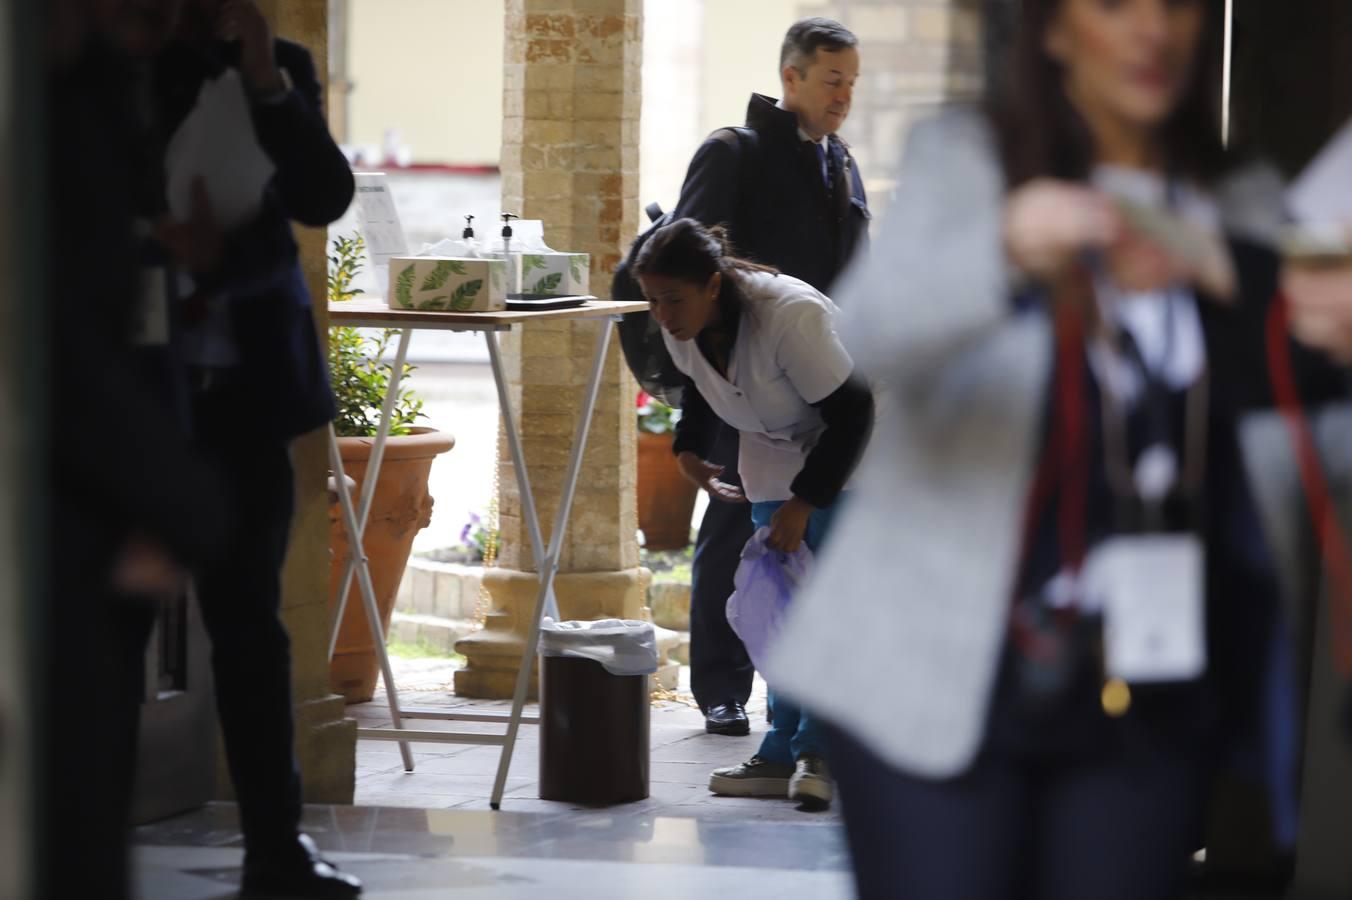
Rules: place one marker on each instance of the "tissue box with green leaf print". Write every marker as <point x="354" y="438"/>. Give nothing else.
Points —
<point x="451" y="284"/>
<point x="556" y="273"/>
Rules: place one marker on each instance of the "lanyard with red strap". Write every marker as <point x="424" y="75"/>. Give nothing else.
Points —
<point x="1065" y="463"/>
<point x="1332" y="540"/>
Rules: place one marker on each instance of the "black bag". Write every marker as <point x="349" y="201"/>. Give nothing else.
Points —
<point x="640" y="336"/>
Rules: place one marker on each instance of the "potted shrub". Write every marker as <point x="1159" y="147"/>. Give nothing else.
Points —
<point x="666" y="499"/>
<point x="401" y="506"/>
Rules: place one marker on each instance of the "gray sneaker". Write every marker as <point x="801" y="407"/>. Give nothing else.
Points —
<point x="811" y="784"/>
<point x="754" y="778"/>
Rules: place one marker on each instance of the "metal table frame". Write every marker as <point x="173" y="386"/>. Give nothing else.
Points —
<point x="375" y="314"/>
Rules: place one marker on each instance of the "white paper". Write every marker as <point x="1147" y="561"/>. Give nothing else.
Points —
<point x="1151" y="588"/>
<point x="217" y="142"/>
<point x="1322" y="194"/>
<point x="378" y="219"/>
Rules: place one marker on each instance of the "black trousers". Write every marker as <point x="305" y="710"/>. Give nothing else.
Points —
<point x="97" y="654"/>
<point x="720" y="670"/>
<point x="1121" y="826"/>
<point x="241" y="603"/>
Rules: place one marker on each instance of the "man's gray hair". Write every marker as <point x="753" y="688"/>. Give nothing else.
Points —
<point x="806" y="36"/>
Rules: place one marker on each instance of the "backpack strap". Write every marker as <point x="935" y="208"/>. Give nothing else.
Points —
<point x="748" y="168"/>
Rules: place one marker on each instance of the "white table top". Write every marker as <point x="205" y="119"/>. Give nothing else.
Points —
<point x="372" y="312"/>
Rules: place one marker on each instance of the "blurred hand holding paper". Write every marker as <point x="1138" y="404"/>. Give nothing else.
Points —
<point x="1200" y="251"/>
<point x="1182" y="239"/>
<point x="217" y="143"/>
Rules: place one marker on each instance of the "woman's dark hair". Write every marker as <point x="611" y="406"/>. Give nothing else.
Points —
<point x="687" y="250"/>
<point x="1041" y="134"/>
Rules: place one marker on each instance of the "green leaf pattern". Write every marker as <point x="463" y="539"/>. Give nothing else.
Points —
<point x="549" y="284"/>
<point x="403" y="287"/>
<point x="579" y="267"/>
<point x="463" y="297"/>
<point x="531" y="261"/>
<point x="440" y="273"/>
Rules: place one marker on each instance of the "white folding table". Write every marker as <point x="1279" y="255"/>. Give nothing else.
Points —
<point x="373" y="313"/>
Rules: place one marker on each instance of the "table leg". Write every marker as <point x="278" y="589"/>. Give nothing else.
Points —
<point x="354" y="522"/>
<point x="368" y="485"/>
<point x="548" y="562"/>
<point x="514" y="447"/>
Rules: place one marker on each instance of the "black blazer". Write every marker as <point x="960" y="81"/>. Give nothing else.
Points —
<point x="1242" y="599"/>
<point x="145" y="478"/>
<point x="283" y="366"/>
<point x="775" y="204"/>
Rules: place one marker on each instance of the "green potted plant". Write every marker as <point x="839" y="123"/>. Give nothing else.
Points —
<point x="666" y="499"/>
<point x="401" y="505"/>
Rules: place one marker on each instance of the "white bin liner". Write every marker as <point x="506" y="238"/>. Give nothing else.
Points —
<point x="622" y="646"/>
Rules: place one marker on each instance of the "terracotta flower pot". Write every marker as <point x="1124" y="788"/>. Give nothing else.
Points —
<point x="666" y="500"/>
<point x="400" y="509"/>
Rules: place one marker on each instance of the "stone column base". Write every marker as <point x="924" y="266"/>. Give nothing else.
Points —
<point x="326" y="749"/>
<point x="493" y="655"/>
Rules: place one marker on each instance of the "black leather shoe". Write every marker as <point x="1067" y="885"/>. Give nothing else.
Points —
<point x="298" y="874"/>
<point x="726" y="718"/>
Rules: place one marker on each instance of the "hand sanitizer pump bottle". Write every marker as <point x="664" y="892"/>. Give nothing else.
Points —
<point x="468" y="240"/>
<point x="513" y="265"/>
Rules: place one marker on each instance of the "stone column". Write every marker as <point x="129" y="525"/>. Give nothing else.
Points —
<point x="571" y="101"/>
<point x="326" y="740"/>
<point x="339" y="82"/>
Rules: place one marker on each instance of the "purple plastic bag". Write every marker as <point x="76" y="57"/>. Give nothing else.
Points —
<point x="766" y="581"/>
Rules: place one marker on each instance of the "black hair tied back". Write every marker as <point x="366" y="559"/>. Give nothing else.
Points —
<point x="687" y="250"/>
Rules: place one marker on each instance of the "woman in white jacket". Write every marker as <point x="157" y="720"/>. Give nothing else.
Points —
<point x="760" y="352"/>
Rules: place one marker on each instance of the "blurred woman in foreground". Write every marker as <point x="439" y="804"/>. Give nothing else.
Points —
<point x="1048" y="610"/>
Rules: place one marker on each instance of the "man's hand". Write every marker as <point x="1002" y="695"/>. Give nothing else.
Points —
<point x="145" y="569"/>
<point x="199" y="243"/>
<point x="705" y="474"/>
<point x="242" y="20"/>
<point x="1320" y="308"/>
<point x="788" y="525"/>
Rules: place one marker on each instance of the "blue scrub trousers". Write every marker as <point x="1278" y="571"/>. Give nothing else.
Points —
<point x="793" y="732"/>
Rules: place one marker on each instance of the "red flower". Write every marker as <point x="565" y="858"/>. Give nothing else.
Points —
<point x="643" y="400"/>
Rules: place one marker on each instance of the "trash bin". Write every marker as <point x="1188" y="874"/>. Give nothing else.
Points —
<point x="594" y="710"/>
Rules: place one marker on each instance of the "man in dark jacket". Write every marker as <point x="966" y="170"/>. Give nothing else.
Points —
<point x="244" y="336"/>
<point x="791" y="196"/>
<point x="123" y="523"/>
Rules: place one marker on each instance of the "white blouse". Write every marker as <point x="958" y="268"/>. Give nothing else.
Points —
<point x="787" y="356"/>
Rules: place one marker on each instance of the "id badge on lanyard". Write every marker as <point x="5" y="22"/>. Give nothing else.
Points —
<point x="1151" y="589"/>
<point x="1151" y="584"/>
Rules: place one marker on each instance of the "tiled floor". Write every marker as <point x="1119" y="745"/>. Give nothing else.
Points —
<point x="430" y="833"/>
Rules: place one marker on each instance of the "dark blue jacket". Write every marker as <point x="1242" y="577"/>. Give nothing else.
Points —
<point x="283" y="369"/>
<point x="774" y="203"/>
